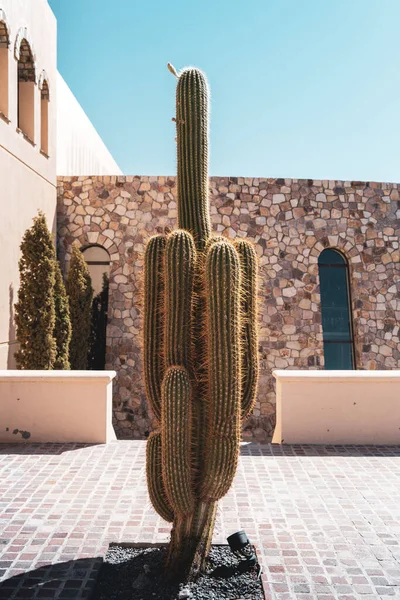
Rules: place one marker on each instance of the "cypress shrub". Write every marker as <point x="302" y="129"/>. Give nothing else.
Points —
<point x="80" y="295"/>
<point x="62" y="327"/>
<point x="34" y="310"/>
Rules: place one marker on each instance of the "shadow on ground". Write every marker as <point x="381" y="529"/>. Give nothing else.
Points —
<point x="123" y="577"/>
<point x="75" y="579"/>
<point x="137" y="572"/>
<point x="49" y="449"/>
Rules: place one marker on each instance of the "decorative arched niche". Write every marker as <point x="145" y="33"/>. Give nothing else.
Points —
<point x="25" y="56"/>
<point x="44" y="88"/>
<point x="4" y="65"/>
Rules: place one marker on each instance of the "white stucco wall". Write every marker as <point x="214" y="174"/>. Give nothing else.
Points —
<point x="80" y="149"/>
<point x="337" y="407"/>
<point x="41" y="27"/>
<point x="56" y="406"/>
<point x="28" y="179"/>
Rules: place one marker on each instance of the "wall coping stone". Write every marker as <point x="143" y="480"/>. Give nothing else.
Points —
<point x="52" y="376"/>
<point x="334" y="376"/>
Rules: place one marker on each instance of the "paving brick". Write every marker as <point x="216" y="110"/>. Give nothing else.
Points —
<point x="325" y="520"/>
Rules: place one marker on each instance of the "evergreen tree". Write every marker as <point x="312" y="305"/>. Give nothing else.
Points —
<point x="62" y="328"/>
<point x="34" y="311"/>
<point x="80" y="295"/>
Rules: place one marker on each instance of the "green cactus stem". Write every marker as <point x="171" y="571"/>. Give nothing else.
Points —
<point x="192" y="123"/>
<point x="180" y="262"/>
<point x="250" y="360"/>
<point x="155" y="483"/>
<point x="176" y="440"/>
<point x="200" y="348"/>
<point x="223" y="363"/>
<point x="153" y="322"/>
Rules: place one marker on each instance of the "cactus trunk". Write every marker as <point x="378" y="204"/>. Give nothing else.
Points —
<point x="200" y="349"/>
<point x="191" y="538"/>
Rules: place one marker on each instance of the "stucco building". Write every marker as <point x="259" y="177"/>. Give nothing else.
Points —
<point x="37" y="109"/>
<point x="28" y="99"/>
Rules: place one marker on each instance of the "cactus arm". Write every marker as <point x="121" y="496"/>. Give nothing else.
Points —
<point x="153" y="321"/>
<point x="192" y="138"/>
<point x="180" y="262"/>
<point x="224" y="365"/>
<point x="249" y="343"/>
<point x="176" y="440"/>
<point x="154" y="478"/>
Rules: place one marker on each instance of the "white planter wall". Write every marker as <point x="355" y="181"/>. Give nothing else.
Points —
<point x="337" y="407"/>
<point x="56" y="406"/>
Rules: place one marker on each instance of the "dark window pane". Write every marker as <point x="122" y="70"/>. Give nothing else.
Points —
<point x="332" y="257"/>
<point x="335" y="304"/>
<point x="338" y="356"/>
<point x="335" y="310"/>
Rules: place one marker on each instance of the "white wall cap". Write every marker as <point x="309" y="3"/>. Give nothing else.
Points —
<point x="335" y="376"/>
<point x="51" y="376"/>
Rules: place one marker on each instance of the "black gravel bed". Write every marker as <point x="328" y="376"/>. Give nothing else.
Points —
<point x="130" y="573"/>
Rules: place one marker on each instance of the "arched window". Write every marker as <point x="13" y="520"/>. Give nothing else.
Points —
<point x="4" y="43"/>
<point x="44" y="114"/>
<point x="26" y="90"/>
<point x="335" y="308"/>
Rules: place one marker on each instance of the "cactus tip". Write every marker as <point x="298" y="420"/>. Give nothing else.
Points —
<point x="172" y="69"/>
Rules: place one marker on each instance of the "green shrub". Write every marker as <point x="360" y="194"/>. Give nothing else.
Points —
<point x="62" y="327"/>
<point x="34" y="311"/>
<point x="80" y="296"/>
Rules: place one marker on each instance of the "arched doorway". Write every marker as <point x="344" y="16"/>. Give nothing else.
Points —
<point x="98" y="261"/>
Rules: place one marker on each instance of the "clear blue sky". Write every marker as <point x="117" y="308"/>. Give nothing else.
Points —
<point x="300" y="88"/>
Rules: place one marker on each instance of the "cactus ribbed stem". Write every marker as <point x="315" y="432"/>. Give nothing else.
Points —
<point x="192" y="149"/>
<point x="224" y="364"/>
<point x="176" y="440"/>
<point x="200" y="348"/>
<point x="180" y="262"/>
<point x="249" y="342"/>
<point x="153" y="321"/>
<point x="214" y="240"/>
<point x="155" y="484"/>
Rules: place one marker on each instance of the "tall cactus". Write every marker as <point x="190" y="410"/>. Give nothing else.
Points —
<point x="200" y="348"/>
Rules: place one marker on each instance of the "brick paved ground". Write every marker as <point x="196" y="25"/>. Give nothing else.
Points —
<point x="326" y="520"/>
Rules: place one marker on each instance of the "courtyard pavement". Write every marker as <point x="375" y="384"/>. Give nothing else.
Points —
<point x="325" y="520"/>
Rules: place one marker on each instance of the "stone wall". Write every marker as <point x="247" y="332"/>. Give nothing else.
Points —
<point x="291" y="221"/>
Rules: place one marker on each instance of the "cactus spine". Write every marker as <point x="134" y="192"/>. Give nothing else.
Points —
<point x="200" y="348"/>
